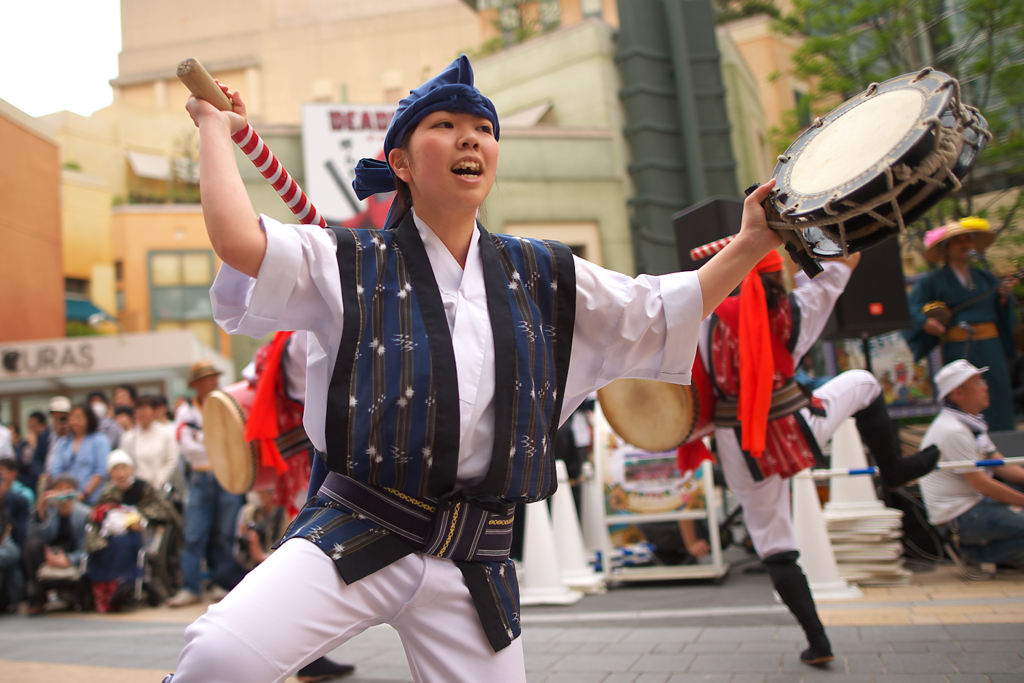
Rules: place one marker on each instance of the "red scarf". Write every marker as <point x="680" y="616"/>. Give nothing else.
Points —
<point x="262" y="424"/>
<point x="758" y="360"/>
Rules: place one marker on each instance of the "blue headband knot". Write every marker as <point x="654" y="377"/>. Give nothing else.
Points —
<point x="451" y="90"/>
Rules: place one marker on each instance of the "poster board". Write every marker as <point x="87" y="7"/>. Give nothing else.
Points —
<point x="334" y="138"/>
<point x="640" y="487"/>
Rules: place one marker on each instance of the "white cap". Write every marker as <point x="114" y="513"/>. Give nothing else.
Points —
<point x="60" y="404"/>
<point x="119" y="457"/>
<point x="954" y="374"/>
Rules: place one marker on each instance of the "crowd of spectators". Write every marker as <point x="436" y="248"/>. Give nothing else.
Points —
<point x="101" y="501"/>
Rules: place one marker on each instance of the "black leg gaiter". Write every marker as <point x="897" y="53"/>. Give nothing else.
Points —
<point x="878" y="433"/>
<point x="792" y="587"/>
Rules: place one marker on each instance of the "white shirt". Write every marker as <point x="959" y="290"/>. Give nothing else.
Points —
<point x="6" y="447"/>
<point x="947" y="493"/>
<point x="190" y="438"/>
<point x="644" y="327"/>
<point x="294" y="367"/>
<point x="155" y="451"/>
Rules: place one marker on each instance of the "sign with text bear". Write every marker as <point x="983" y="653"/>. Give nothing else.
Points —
<point x="334" y="138"/>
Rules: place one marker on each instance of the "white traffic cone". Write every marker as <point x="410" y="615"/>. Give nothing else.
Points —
<point x="816" y="555"/>
<point x="541" y="582"/>
<point x="594" y="529"/>
<point x="850" y="494"/>
<point x="575" y="571"/>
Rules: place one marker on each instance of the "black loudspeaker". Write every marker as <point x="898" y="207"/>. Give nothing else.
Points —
<point x="875" y="300"/>
<point x="710" y="220"/>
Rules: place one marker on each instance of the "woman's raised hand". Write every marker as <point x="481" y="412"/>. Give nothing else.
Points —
<point x="201" y="110"/>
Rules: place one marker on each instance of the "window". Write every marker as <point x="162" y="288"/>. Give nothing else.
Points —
<point x="179" y="293"/>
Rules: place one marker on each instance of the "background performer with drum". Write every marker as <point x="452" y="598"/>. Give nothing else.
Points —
<point x="941" y="304"/>
<point x="442" y="359"/>
<point x="750" y="347"/>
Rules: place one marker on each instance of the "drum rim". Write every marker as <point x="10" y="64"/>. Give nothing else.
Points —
<point x="937" y="99"/>
<point x="236" y="409"/>
<point x="974" y="145"/>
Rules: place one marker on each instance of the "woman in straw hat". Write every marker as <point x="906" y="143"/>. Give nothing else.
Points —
<point x="982" y="332"/>
<point x="441" y="360"/>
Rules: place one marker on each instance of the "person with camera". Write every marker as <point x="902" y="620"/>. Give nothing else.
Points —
<point x="261" y="522"/>
<point x="56" y="539"/>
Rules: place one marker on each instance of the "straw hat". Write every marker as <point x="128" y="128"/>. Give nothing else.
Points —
<point x="200" y="369"/>
<point x="934" y="247"/>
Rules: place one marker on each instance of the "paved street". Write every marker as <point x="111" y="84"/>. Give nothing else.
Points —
<point x="939" y="628"/>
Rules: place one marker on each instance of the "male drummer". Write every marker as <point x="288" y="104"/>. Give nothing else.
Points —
<point x="210" y="511"/>
<point x="750" y="346"/>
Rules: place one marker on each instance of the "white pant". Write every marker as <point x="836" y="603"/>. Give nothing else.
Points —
<point x="766" y="503"/>
<point x="294" y="608"/>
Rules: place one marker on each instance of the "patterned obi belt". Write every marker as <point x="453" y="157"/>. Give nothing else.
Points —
<point x="786" y="400"/>
<point x="455" y="528"/>
<point x="978" y="332"/>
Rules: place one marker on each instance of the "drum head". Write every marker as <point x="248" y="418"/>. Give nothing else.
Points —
<point x="843" y="161"/>
<point x="232" y="459"/>
<point x="653" y="416"/>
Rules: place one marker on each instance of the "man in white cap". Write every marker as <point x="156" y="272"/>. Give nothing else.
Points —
<point x="985" y="511"/>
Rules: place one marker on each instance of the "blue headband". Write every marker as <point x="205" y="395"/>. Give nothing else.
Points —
<point x="451" y="90"/>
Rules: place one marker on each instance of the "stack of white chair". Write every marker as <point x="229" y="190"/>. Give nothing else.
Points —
<point x="865" y="534"/>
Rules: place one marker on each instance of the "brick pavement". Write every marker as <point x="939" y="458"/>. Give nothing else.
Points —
<point x="935" y="629"/>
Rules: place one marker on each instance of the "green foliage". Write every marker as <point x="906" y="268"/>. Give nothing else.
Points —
<point x="731" y="10"/>
<point x="519" y="21"/>
<point x="79" y="328"/>
<point x="72" y="166"/>
<point x="848" y="44"/>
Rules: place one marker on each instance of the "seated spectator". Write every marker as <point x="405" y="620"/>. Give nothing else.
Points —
<point x="107" y="424"/>
<point x="15" y="512"/>
<point x="116" y="534"/>
<point x="55" y="546"/>
<point x="125" y="416"/>
<point x="151" y="444"/>
<point x="9" y="472"/>
<point x="984" y="511"/>
<point x="82" y="453"/>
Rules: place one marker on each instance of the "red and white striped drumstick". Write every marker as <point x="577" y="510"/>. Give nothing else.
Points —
<point x="266" y="163"/>
<point x="201" y="84"/>
<point x="705" y="250"/>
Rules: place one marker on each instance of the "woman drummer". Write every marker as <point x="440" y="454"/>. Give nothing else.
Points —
<point x="441" y="360"/>
<point x="991" y="319"/>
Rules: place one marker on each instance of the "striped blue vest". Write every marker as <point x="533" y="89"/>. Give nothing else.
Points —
<point x="393" y="404"/>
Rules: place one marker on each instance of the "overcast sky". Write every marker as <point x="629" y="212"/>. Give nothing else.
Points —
<point x="59" y="54"/>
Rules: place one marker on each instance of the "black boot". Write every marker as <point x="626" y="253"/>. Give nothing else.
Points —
<point x="791" y="585"/>
<point x="878" y="433"/>
<point x="324" y="669"/>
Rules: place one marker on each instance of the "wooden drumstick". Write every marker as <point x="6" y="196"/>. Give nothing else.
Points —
<point x="201" y="84"/>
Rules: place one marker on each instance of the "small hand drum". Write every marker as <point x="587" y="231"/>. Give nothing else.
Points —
<point x="874" y="164"/>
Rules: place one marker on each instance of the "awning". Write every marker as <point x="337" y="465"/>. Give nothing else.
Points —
<point x="156" y="167"/>
<point x="83" y="309"/>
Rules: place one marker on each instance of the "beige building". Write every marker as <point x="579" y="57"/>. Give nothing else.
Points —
<point x="769" y="56"/>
